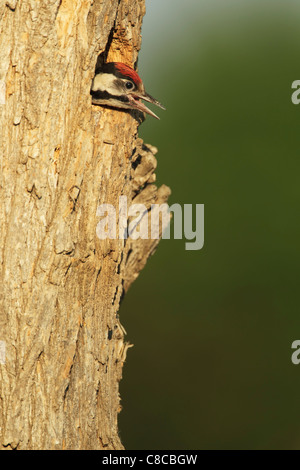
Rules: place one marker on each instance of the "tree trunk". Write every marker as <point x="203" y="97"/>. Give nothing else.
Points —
<point x="60" y="158"/>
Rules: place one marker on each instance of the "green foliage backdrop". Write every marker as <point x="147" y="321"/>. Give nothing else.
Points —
<point x="211" y="367"/>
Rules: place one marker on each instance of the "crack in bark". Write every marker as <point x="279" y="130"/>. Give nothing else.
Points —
<point x="11" y="4"/>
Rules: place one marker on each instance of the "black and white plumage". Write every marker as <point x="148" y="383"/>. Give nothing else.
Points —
<point x="118" y="85"/>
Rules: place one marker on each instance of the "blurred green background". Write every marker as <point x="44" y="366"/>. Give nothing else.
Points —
<point x="212" y="329"/>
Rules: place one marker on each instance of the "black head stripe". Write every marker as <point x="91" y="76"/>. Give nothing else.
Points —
<point x="104" y="95"/>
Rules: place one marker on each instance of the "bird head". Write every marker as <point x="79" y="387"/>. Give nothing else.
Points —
<point x="118" y="85"/>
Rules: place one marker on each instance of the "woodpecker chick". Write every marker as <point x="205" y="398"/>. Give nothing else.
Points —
<point x="118" y="85"/>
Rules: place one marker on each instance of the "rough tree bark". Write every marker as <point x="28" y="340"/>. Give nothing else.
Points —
<point x="61" y="157"/>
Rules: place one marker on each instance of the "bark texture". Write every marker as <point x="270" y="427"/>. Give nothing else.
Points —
<point x="60" y="157"/>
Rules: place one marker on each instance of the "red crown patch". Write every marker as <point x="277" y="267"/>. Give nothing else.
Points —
<point x="128" y="72"/>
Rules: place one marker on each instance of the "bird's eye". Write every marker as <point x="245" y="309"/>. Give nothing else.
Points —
<point x="129" y="85"/>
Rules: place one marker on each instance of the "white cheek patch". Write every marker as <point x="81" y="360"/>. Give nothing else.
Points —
<point x="105" y="82"/>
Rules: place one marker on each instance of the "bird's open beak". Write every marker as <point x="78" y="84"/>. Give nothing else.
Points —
<point x="137" y="104"/>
